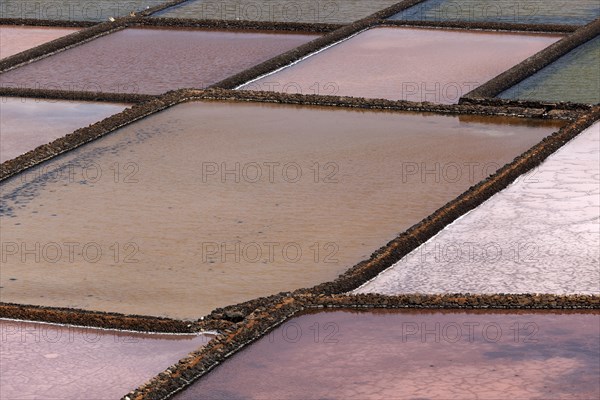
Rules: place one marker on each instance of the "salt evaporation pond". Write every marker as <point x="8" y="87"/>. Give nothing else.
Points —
<point x="15" y="39"/>
<point x="26" y="123"/>
<point x="574" y="77"/>
<point x="154" y="61"/>
<point x="46" y="361"/>
<point x="415" y="355"/>
<point x="540" y="235"/>
<point x="572" y="12"/>
<point x="209" y="204"/>
<point x="73" y="10"/>
<point x="306" y="11"/>
<point x="433" y="65"/>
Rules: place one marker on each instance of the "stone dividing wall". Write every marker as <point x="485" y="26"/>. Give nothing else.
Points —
<point x="155" y="104"/>
<point x="46" y="22"/>
<point x="95" y="319"/>
<point x="75" y="95"/>
<point x="489" y="26"/>
<point x="160" y="7"/>
<point x="557" y="108"/>
<point x="536" y="62"/>
<point x="241" y="25"/>
<point x="272" y="312"/>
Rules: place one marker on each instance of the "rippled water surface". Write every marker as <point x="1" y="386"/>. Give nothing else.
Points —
<point x="574" y="77"/>
<point x="415" y="355"/>
<point x="572" y="12"/>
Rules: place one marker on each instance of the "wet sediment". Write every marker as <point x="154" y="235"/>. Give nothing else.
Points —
<point x="536" y="62"/>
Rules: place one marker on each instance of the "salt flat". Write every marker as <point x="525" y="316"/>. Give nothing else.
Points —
<point x="540" y="235"/>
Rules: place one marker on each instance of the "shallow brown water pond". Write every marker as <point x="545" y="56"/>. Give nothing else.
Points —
<point x="433" y="65"/>
<point x="209" y="204"/>
<point x="46" y="361"/>
<point x="154" y="61"/>
<point x="26" y="123"/>
<point x="415" y="355"/>
<point x="15" y="39"/>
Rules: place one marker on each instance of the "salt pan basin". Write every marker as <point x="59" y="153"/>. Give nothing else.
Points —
<point x="540" y="235"/>
<point x="73" y="10"/>
<point x="209" y="204"/>
<point x="433" y="65"/>
<point x="153" y="61"/>
<point x="381" y="355"/>
<point x="307" y="11"/>
<point x="26" y="123"/>
<point x="575" y="77"/>
<point x="572" y="12"/>
<point x="46" y="361"/>
<point x="15" y="39"/>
